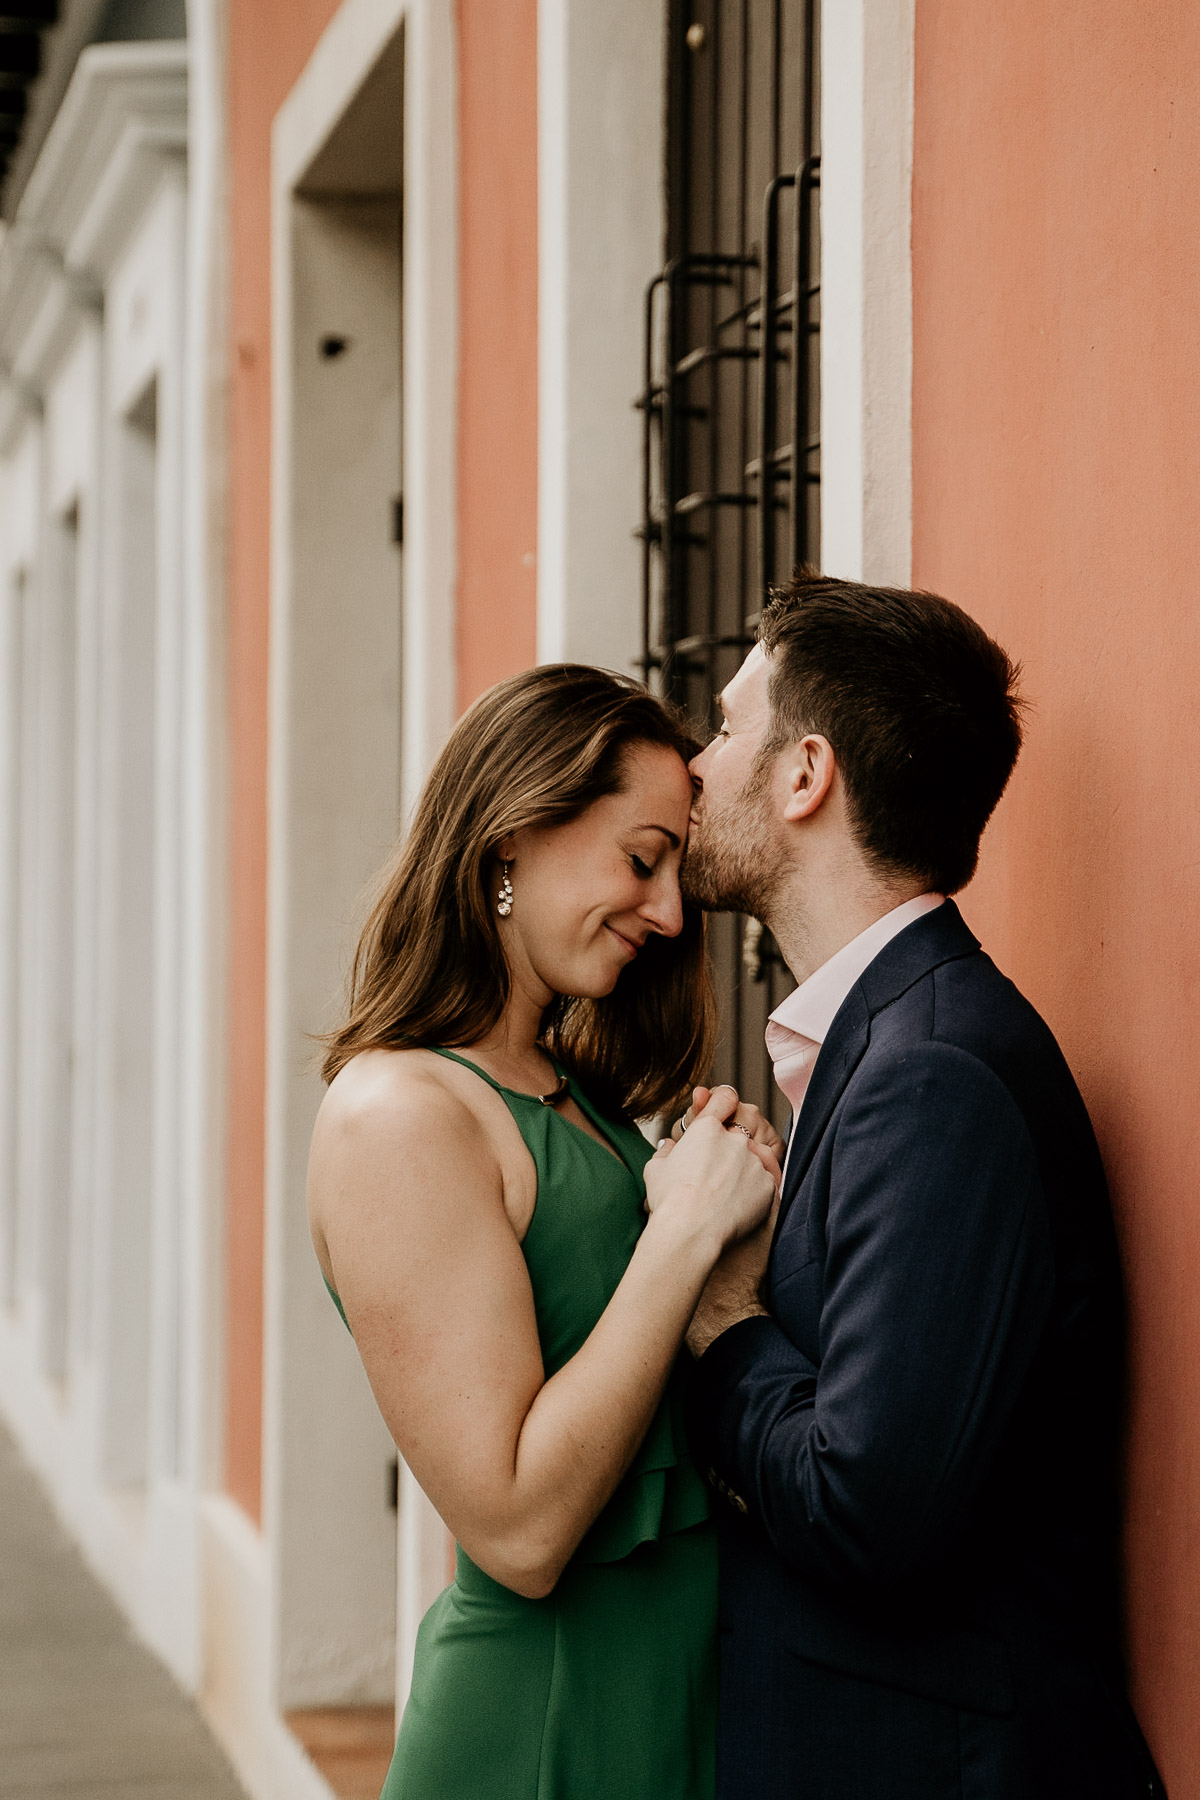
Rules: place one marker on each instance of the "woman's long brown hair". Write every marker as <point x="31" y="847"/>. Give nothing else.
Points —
<point x="429" y="970"/>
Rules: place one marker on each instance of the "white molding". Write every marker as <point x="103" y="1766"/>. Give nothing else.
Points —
<point x="866" y="289"/>
<point x="236" y="1696"/>
<point x="430" y="389"/>
<point x="553" y="335"/>
<point x="358" y="35"/>
<point x="203" y="727"/>
<point x="126" y="107"/>
<point x="122" y="124"/>
<point x="600" y="240"/>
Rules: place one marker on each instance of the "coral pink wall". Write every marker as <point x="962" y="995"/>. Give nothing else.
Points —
<point x="498" y="355"/>
<point x="1056" y="267"/>
<point x="269" y="43"/>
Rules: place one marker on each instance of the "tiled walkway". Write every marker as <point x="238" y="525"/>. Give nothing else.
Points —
<point x="85" y="1712"/>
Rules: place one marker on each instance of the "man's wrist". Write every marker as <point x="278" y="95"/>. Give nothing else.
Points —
<point x="712" y="1321"/>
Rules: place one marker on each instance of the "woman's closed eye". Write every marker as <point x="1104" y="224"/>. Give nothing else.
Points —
<point x="643" y="869"/>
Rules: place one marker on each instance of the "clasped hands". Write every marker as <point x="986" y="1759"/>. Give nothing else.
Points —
<point x="732" y="1290"/>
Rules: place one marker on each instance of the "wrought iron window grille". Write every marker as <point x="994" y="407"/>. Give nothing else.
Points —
<point x="730" y="397"/>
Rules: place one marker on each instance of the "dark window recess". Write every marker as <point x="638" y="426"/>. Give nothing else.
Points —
<point x="731" y="399"/>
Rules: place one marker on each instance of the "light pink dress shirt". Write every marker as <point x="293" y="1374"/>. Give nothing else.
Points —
<point x="799" y="1025"/>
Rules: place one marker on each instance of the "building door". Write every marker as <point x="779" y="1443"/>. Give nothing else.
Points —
<point x="731" y="401"/>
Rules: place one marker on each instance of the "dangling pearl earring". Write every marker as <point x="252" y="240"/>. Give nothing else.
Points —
<point x="504" y="903"/>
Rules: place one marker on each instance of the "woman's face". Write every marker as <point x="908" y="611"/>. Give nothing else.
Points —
<point x="587" y="895"/>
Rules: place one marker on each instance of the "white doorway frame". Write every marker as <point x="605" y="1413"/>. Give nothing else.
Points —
<point x="344" y="57"/>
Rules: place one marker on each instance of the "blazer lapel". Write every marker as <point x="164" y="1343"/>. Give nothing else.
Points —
<point x="939" y="937"/>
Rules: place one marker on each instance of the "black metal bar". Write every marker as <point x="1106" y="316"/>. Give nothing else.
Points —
<point x="807" y="180"/>
<point x="714" y="353"/>
<point x="649" y="406"/>
<point x="692" y="503"/>
<point x="768" y="385"/>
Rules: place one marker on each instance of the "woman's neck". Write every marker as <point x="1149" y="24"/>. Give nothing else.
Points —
<point x="513" y="1045"/>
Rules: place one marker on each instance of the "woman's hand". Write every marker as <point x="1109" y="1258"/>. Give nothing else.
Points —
<point x="718" y="1181"/>
<point x="750" y="1119"/>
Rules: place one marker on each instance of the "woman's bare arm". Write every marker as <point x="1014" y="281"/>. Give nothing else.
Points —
<point x="407" y="1206"/>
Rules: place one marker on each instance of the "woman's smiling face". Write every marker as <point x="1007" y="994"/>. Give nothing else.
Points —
<point x="588" y="894"/>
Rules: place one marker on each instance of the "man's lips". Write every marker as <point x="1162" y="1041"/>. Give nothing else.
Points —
<point x="633" y="945"/>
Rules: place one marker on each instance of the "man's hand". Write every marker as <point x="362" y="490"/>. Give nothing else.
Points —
<point x="732" y="1292"/>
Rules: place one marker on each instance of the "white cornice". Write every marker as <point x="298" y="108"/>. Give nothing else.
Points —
<point x="122" y="122"/>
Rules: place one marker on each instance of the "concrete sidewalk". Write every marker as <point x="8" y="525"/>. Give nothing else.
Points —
<point x="86" y="1713"/>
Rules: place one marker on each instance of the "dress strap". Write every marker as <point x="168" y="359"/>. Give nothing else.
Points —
<point x="453" y="1056"/>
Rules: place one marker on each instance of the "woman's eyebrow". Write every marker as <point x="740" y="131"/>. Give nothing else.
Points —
<point x="666" y="831"/>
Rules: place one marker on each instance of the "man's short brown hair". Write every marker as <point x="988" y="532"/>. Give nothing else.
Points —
<point x="920" y="707"/>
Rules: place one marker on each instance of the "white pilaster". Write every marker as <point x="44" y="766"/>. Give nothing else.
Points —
<point x="600" y="239"/>
<point x="866" y="289"/>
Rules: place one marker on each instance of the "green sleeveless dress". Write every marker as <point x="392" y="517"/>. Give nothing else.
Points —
<point x="606" y="1689"/>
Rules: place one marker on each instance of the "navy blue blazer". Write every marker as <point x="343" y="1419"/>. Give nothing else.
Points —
<point x="916" y="1454"/>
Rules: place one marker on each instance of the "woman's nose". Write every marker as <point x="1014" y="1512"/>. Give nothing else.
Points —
<point x="663" y="909"/>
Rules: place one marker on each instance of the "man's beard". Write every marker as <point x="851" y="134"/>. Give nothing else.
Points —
<point x="732" y="856"/>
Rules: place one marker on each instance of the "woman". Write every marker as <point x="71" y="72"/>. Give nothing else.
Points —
<point x="528" y="984"/>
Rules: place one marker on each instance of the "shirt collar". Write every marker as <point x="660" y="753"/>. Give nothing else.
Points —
<point x="810" y="1009"/>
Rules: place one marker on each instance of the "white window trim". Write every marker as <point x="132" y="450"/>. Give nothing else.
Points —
<point x="600" y="240"/>
<point x="866" y="289"/>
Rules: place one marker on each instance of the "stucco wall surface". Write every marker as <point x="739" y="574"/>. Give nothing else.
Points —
<point x="1056" y="449"/>
<point x="269" y="42"/>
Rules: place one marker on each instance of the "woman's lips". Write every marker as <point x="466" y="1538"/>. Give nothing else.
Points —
<point x="628" y="944"/>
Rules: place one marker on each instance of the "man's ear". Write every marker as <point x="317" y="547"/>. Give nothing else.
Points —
<point x="809" y="770"/>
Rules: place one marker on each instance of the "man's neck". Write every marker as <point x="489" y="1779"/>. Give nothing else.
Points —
<point x="812" y="921"/>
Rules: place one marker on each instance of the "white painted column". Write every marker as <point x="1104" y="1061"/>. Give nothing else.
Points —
<point x="76" y="469"/>
<point x="19" y="496"/>
<point x="429" y="669"/>
<point x="866" y="289"/>
<point x="11" y="631"/>
<point x="430" y="384"/>
<point x="202" y="734"/>
<point x="601" y="110"/>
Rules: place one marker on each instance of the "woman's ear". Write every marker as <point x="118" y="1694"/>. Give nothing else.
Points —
<point x="810" y="770"/>
<point x="506" y="849"/>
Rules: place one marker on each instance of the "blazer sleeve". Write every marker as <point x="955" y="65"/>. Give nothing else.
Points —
<point x="937" y="1283"/>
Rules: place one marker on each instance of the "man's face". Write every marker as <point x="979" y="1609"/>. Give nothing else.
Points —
<point x="733" y="855"/>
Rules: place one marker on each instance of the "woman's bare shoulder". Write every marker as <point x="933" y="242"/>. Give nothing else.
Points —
<point x="389" y="1089"/>
<point x="394" y="1099"/>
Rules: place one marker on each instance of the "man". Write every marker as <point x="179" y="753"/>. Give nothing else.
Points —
<point x="911" y="1418"/>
